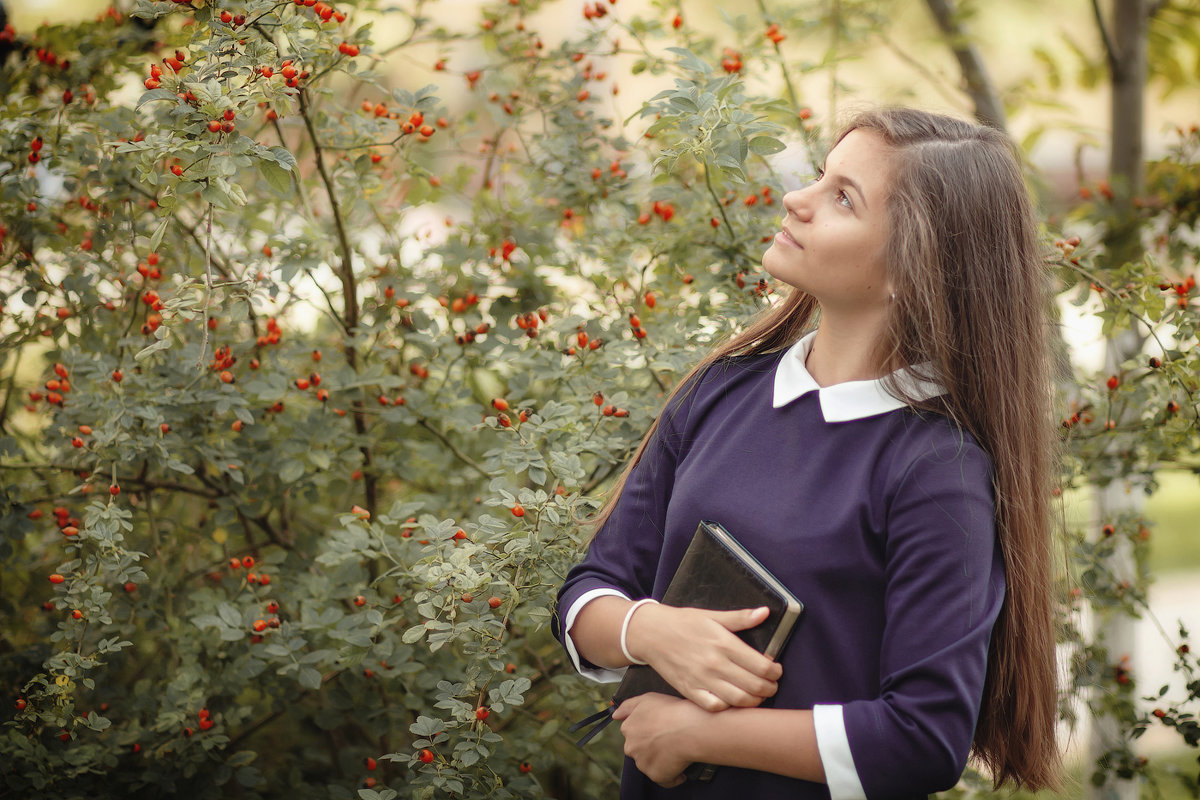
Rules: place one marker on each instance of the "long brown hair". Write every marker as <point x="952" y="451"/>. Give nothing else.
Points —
<point x="971" y="295"/>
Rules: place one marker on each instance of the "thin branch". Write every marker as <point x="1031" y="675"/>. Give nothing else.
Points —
<point x="1128" y="309"/>
<point x="350" y="301"/>
<point x="346" y="273"/>
<point x="1110" y="52"/>
<point x="208" y="289"/>
<point x="934" y="80"/>
<point x="459" y="454"/>
<point x="988" y="108"/>
<point x="793" y="98"/>
<point x="8" y="392"/>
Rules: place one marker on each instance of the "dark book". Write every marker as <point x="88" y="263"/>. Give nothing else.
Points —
<point x="717" y="573"/>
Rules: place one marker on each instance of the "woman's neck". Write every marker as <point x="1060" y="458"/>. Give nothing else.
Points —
<point x="845" y="351"/>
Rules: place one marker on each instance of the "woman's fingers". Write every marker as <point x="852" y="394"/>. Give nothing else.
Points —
<point x="747" y="657"/>
<point x="741" y="618"/>
<point x="698" y="653"/>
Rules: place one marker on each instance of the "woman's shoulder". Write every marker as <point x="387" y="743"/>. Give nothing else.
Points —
<point x="716" y="382"/>
<point x="741" y="368"/>
<point x="927" y="440"/>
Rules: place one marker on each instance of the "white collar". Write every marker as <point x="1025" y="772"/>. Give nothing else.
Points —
<point x="843" y="402"/>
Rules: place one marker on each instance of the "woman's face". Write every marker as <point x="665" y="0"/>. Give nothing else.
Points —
<point x="836" y="230"/>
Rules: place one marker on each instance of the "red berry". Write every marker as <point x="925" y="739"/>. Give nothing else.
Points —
<point x="525" y="765"/>
<point x="1113" y="382"/>
<point x="360" y="601"/>
<point x="20" y="704"/>
<point x="481" y="713"/>
<point x="500" y="404"/>
<point x="518" y="510"/>
<point x="248" y="562"/>
<point x="260" y="625"/>
<point x="426" y="756"/>
<point x="494" y="602"/>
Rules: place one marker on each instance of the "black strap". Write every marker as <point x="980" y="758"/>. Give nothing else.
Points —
<point x="601" y="719"/>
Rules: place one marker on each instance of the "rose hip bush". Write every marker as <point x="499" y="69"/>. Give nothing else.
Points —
<point x="312" y="366"/>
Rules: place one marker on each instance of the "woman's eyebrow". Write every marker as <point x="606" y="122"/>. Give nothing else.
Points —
<point x="846" y="179"/>
<point x="854" y="185"/>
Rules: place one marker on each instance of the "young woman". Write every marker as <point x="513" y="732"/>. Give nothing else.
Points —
<point x="881" y="441"/>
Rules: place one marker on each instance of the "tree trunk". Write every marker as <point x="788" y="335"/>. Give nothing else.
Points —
<point x="1128" y="68"/>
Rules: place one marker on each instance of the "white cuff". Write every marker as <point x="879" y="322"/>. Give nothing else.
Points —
<point x="834" y="748"/>
<point x="597" y="674"/>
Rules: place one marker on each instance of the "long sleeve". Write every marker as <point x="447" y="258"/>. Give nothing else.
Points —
<point x="625" y="553"/>
<point x="944" y="587"/>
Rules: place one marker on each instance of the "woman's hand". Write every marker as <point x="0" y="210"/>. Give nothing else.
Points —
<point x="656" y="727"/>
<point x="696" y="651"/>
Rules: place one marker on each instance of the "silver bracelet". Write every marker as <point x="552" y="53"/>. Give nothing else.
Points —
<point x="625" y="629"/>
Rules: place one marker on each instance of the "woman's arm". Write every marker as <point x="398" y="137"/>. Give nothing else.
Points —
<point x="694" y="650"/>
<point x="663" y="735"/>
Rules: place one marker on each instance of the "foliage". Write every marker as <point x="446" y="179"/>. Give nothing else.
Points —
<point x="309" y="377"/>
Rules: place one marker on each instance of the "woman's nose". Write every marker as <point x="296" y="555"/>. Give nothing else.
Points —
<point x="799" y="203"/>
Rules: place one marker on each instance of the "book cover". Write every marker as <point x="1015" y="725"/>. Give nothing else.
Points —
<point x="718" y="573"/>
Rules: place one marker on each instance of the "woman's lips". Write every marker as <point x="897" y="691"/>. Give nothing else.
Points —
<point x="786" y="238"/>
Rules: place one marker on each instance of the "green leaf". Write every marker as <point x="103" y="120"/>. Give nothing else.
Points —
<point x="426" y="726"/>
<point x="156" y="94"/>
<point x="157" y="237"/>
<point x="278" y="178"/>
<point x="229" y="615"/>
<point x="291" y="470"/>
<point x="766" y="145"/>
<point x="310" y="678"/>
